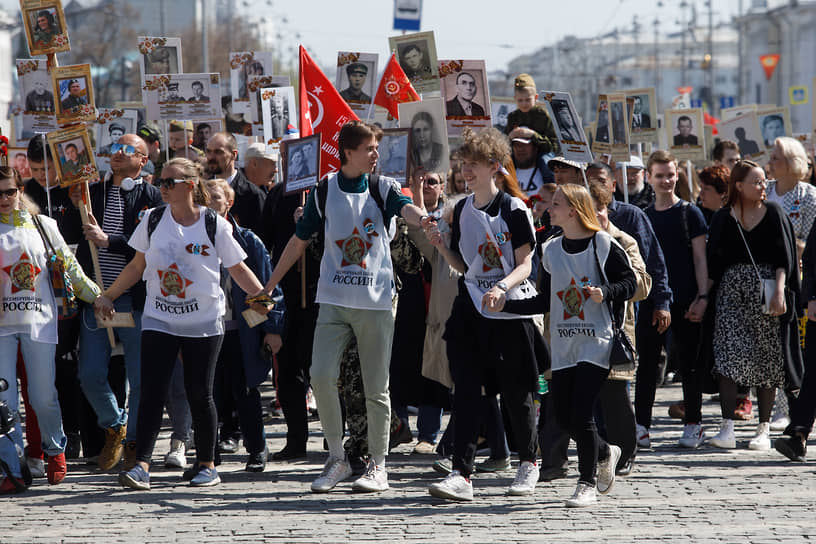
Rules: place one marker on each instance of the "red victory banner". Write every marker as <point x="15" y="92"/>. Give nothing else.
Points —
<point x="322" y="111"/>
<point x="395" y="88"/>
<point x="685" y="90"/>
<point x="769" y="63"/>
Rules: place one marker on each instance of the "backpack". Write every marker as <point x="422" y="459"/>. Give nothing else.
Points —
<point x="504" y="211"/>
<point x="210" y="221"/>
<point x="322" y="189"/>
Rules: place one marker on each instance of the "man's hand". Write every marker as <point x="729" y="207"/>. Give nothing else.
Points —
<point x="661" y="318"/>
<point x="93" y="233"/>
<point x="103" y="307"/>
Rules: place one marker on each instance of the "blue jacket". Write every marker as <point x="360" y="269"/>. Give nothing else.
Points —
<point x="256" y="366"/>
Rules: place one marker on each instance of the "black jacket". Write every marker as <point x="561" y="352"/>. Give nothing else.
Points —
<point x="249" y="201"/>
<point x="62" y="211"/>
<point x="143" y="197"/>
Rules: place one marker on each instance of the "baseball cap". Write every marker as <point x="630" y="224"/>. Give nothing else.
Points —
<point x="148" y="134"/>
<point x="524" y="135"/>
<point x="634" y="162"/>
<point x="259" y="150"/>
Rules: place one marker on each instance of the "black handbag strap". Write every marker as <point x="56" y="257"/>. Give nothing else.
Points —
<point x="603" y="276"/>
<point x="48" y="245"/>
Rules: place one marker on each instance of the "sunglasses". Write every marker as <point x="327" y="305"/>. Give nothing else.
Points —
<point x="126" y="149"/>
<point x="169" y="183"/>
<point x="8" y="193"/>
<point x="431" y="182"/>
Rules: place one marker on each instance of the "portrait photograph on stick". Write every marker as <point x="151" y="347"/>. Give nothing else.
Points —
<point x="73" y="94"/>
<point x="244" y="64"/>
<point x="45" y="28"/>
<point x="279" y="112"/>
<point x="464" y="89"/>
<point x="600" y="143"/>
<point x="356" y="79"/>
<point x="644" y="115"/>
<point x="301" y="163"/>
<point x="429" y="136"/>
<point x="684" y="132"/>
<point x="159" y="56"/>
<point x="416" y="54"/>
<point x="254" y="86"/>
<point x="182" y="96"/>
<point x="73" y="159"/>
<point x="38" y="113"/>
<point x="774" y="123"/>
<point x="618" y="126"/>
<point x="394" y="160"/>
<point x="567" y="125"/>
<point x="744" y="130"/>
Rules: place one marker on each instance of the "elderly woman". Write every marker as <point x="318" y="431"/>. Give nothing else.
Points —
<point x="28" y="320"/>
<point x="180" y="249"/>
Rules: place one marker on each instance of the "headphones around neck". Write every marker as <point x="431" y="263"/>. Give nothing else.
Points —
<point x="128" y="184"/>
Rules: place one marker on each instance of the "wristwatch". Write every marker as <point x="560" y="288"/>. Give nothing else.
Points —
<point x="501" y="285"/>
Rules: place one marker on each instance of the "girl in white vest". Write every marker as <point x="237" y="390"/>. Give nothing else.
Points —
<point x="28" y="319"/>
<point x="492" y="239"/>
<point x="180" y="263"/>
<point x="576" y="292"/>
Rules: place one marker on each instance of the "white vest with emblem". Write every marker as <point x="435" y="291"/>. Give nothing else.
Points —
<point x="484" y="243"/>
<point x="580" y="329"/>
<point x="356" y="270"/>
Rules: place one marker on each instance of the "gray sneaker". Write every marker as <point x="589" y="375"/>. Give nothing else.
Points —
<point x="606" y="470"/>
<point x="584" y="496"/>
<point x="454" y="487"/>
<point x="442" y="466"/>
<point x="334" y="471"/>
<point x="526" y="479"/>
<point x="375" y="479"/>
<point x="494" y="465"/>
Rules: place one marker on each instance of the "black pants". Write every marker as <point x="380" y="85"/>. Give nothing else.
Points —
<point x="294" y="360"/>
<point x="247" y="400"/>
<point x="159" y="352"/>
<point x="803" y="409"/>
<point x="478" y="347"/>
<point x="575" y="391"/>
<point x="685" y="339"/>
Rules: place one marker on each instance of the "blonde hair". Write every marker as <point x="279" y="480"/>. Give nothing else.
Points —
<point x="222" y="184"/>
<point x="580" y="200"/>
<point x="795" y="155"/>
<point x="191" y="171"/>
<point x="489" y="145"/>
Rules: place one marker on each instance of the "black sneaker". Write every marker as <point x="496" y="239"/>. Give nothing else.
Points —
<point x="256" y="462"/>
<point x="228" y="445"/>
<point x="358" y="465"/>
<point x="792" y="448"/>
<point x="288" y="453"/>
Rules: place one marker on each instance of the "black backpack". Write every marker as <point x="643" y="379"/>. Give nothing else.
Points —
<point x="210" y="221"/>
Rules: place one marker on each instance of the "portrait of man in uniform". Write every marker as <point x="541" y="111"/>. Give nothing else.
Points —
<point x="357" y="73"/>
<point x="198" y="93"/>
<point x="640" y="113"/>
<point x="46" y="27"/>
<point x="75" y="157"/>
<point x="115" y="131"/>
<point x="76" y="95"/>
<point x="39" y="99"/>
<point x="414" y="61"/>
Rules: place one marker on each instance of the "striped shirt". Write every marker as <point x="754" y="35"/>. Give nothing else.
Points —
<point x="111" y="263"/>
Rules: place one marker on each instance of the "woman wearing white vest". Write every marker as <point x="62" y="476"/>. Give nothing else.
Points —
<point x="576" y="292"/>
<point x="180" y="261"/>
<point x="492" y="239"/>
<point x="28" y="319"/>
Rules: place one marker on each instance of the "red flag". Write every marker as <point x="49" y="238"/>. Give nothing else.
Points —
<point x="322" y="111"/>
<point x="395" y="88"/>
<point x="769" y="63"/>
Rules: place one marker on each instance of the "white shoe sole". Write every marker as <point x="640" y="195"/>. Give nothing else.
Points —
<point x="211" y="483"/>
<point x="576" y="504"/>
<point x="760" y="446"/>
<point x="518" y="492"/>
<point x="444" y="494"/>
<point x="368" y="488"/>
<point x="614" y="457"/>
<point x="723" y="445"/>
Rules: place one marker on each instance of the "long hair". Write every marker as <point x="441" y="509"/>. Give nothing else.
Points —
<point x="738" y="173"/>
<point x="192" y="171"/>
<point x="580" y="200"/>
<point x="509" y="182"/>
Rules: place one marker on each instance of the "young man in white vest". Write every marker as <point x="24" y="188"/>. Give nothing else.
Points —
<point x="354" y="292"/>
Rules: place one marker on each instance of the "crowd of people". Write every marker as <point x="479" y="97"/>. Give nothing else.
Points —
<point x="501" y="291"/>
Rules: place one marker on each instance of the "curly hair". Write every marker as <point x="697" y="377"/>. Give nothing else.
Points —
<point x="488" y="145"/>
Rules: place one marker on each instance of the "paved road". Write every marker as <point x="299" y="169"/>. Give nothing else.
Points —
<point x="674" y="495"/>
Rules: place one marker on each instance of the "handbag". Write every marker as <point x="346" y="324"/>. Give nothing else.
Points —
<point x="767" y="287"/>
<point x="622" y="357"/>
<point x="60" y="280"/>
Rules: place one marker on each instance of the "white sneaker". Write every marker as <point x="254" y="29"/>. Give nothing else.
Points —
<point x="334" y="471"/>
<point x="584" y="496"/>
<point x="526" y="479"/>
<point x="693" y="436"/>
<point x="36" y="466"/>
<point x="311" y="403"/>
<point x="725" y="439"/>
<point x="176" y="458"/>
<point x="454" y="487"/>
<point x="606" y="470"/>
<point x="375" y="479"/>
<point x="762" y="440"/>
<point x="779" y="422"/>
<point x="642" y="434"/>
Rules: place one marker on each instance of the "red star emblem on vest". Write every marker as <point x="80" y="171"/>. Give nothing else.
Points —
<point x="572" y="298"/>
<point x="490" y="254"/>
<point x="354" y="248"/>
<point x="172" y="282"/>
<point x="23" y="274"/>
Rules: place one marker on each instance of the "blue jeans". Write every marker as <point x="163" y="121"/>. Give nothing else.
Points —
<point x="429" y="421"/>
<point x="41" y="372"/>
<point x="94" y="358"/>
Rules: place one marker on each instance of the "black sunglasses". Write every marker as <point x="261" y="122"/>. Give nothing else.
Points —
<point x="8" y="193"/>
<point x="169" y="183"/>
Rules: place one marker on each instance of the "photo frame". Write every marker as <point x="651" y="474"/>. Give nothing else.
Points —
<point x="567" y="125"/>
<point x="464" y="88"/>
<point x="395" y="157"/>
<point x="242" y="65"/>
<point x="745" y="131"/>
<point x="38" y="113"/>
<point x="356" y="79"/>
<point x="73" y="94"/>
<point x="619" y="123"/>
<point x="203" y="129"/>
<point x="73" y="156"/>
<point x="45" y="27"/>
<point x="279" y="111"/>
<point x="301" y="163"/>
<point x="111" y="124"/>
<point x="18" y="159"/>
<point x="416" y="54"/>
<point x="730" y="113"/>
<point x="182" y="96"/>
<point x="602" y="137"/>
<point x="643" y="127"/>
<point x="159" y="56"/>
<point x="254" y="86"/>
<point x="685" y="134"/>
<point x="774" y="122"/>
<point x="429" y="137"/>
<point x="500" y="108"/>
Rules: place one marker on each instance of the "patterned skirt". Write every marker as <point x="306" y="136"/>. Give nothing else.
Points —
<point x="747" y="342"/>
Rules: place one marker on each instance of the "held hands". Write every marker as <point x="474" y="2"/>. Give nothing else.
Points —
<point x="494" y="299"/>
<point x="431" y="229"/>
<point x="103" y="307"/>
<point x="260" y="302"/>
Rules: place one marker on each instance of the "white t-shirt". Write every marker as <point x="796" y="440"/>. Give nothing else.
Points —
<point x="182" y="275"/>
<point x="529" y="179"/>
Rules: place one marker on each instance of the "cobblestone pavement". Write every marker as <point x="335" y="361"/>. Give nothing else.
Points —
<point x="706" y="495"/>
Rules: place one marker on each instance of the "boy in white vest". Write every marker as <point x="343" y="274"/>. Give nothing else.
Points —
<point x="354" y="292"/>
